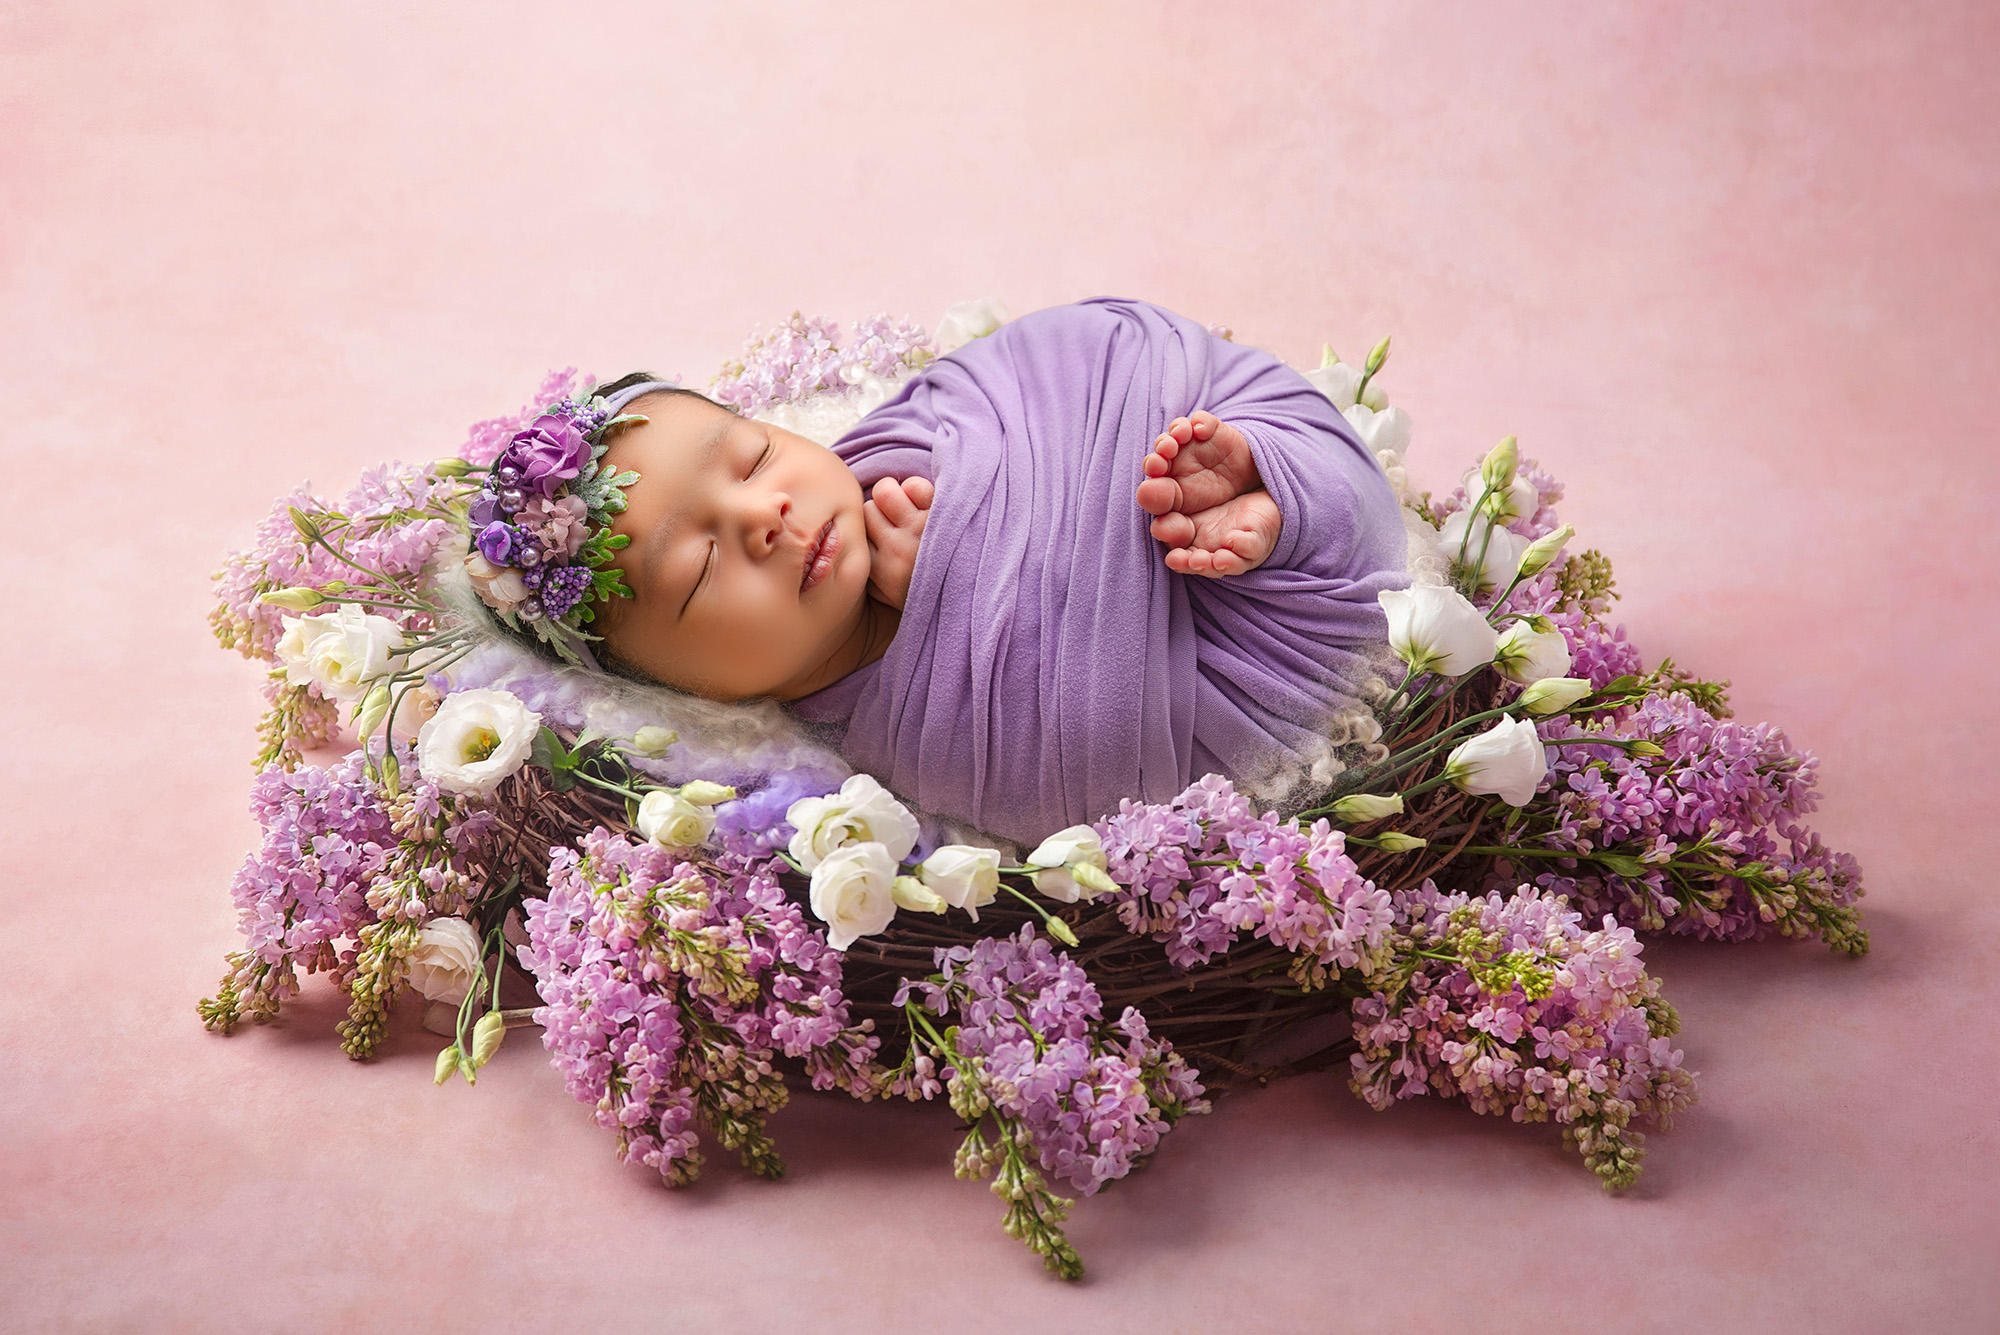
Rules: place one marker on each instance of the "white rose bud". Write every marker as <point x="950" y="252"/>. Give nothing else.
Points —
<point x="487" y="1036"/>
<point x="1552" y="695"/>
<point x="476" y="740"/>
<point x="1058" y="858"/>
<point x="1544" y="550"/>
<point x="853" y="892"/>
<point x="652" y="741"/>
<point x="963" y="876"/>
<point x="1437" y="629"/>
<point x="861" y="812"/>
<point x="1530" y="650"/>
<point x="1507" y="760"/>
<point x="444" y="966"/>
<point x="669" y="820"/>
<point x="909" y="893"/>
<point x="705" y="794"/>
<point x="1362" y="807"/>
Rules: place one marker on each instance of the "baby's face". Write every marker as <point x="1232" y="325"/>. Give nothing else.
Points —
<point x="749" y="559"/>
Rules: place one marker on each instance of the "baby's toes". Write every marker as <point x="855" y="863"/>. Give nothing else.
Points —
<point x="1176" y="530"/>
<point x="1159" y="495"/>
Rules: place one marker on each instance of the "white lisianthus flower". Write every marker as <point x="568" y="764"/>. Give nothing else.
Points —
<point x="966" y="321"/>
<point x="1437" y="629"/>
<point x="445" y="964"/>
<point x="1379" y="431"/>
<point x="1062" y="856"/>
<point x="671" y="821"/>
<point x="1517" y="500"/>
<point x="853" y="892"/>
<point x="1530" y="650"/>
<point x="963" y="876"/>
<point x="1467" y="531"/>
<point x="414" y="708"/>
<point x="1338" y="380"/>
<point x="475" y="740"/>
<point x="861" y="812"/>
<point x="339" y="651"/>
<point x="1507" y="760"/>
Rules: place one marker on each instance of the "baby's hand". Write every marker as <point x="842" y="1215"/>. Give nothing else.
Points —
<point x="895" y="515"/>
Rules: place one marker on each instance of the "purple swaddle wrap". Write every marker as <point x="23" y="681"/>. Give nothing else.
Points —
<point x="1048" y="663"/>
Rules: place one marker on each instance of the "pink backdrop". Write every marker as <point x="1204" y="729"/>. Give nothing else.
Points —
<point x="1727" y="269"/>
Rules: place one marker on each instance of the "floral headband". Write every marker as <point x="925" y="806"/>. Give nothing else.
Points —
<point x="540" y="524"/>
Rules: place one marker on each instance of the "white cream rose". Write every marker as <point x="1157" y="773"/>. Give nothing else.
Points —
<point x="1507" y="761"/>
<point x="475" y="740"/>
<point x="339" y="651"/>
<point x="671" y="821"/>
<point x="861" y="812"/>
<point x="1467" y="532"/>
<point x="1437" y="629"/>
<point x="445" y="964"/>
<point x="963" y="876"/>
<point x="1530" y="650"/>
<point x="853" y="892"/>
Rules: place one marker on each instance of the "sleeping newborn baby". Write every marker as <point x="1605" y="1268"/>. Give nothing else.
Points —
<point x="1093" y="555"/>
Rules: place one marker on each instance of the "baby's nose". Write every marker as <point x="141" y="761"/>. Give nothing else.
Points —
<point x="765" y="517"/>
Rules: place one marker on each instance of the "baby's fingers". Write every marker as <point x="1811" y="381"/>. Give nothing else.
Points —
<point x="920" y="491"/>
<point x="893" y="502"/>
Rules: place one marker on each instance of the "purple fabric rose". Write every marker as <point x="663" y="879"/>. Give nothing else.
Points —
<point x="485" y="510"/>
<point x="549" y="452"/>
<point x="496" y="543"/>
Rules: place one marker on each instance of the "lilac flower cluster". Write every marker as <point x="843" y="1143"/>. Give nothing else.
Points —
<point x="392" y="522"/>
<point x="1294" y="887"/>
<point x="668" y="988"/>
<point x="327" y="837"/>
<point x="1066" y="1093"/>
<point x="1704" y="839"/>
<point x="803" y="356"/>
<point x="1510" y="1004"/>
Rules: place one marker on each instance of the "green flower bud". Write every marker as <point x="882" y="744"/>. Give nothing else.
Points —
<point x="487" y="1036"/>
<point x="1060" y="931"/>
<point x="652" y="742"/>
<point x="1645" y="749"/>
<point x="303" y="522"/>
<point x="1622" y="864"/>
<point x="1552" y="695"/>
<point x="374" y="708"/>
<point x="1377" y="356"/>
<point x="1497" y="469"/>
<point x="1397" y="842"/>
<point x="298" y="598"/>
<point x="1327" y="356"/>
<point x="450" y="467"/>
<point x="467" y="1069"/>
<point x="1093" y="878"/>
<point x="447" y="1063"/>
<point x="702" y="793"/>
<point x="1543" y="550"/>
<point x="1367" y="806"/>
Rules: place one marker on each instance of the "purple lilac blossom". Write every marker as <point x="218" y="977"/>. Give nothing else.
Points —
<point x="1295" y="887"/>
<point x="668" y="987"/>
<point x="1093" y="1099"/>
<point x="1536" y="1018"/>
<point x="485" y="440"/>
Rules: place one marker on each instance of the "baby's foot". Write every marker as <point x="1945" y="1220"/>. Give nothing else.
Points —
<point x="1198" y="462"/>
<point x="1226" y="539"/>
